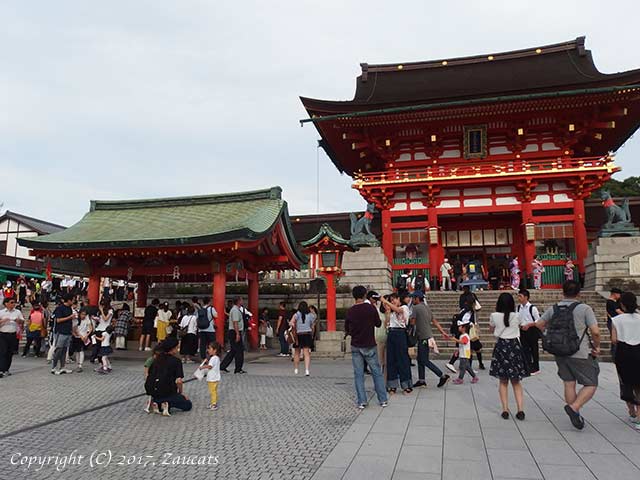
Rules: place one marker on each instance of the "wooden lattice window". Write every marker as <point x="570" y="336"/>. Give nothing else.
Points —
<point x="475" y="141"/>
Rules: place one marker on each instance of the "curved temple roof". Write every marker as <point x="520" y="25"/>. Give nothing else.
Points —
<point x="560" y="66"/>
<point x="180" y="221"/>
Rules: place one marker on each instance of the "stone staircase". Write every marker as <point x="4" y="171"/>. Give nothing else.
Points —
<point x="445" y="304"/>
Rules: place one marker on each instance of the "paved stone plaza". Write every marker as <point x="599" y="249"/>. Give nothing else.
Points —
<point x="272" y="425"/>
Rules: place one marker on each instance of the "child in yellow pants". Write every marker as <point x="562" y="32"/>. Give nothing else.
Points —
<point x="213" y="374"/>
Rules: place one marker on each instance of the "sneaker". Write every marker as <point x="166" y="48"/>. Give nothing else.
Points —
<point x="147" y="406"/>
<point x="420" y="383"/>
<point x="443" y="380"/>
<point x="635" y="420"/>
<point x="56" y="372"/>
<point x="533" y="374"/>
<point x="79" y="370"/>
<point x="362" y="406"/>
<point x="154" y="408"/>
<point x="23" y="355"/>
<point x="147" y="349"/>
<point x="295" y="371"/>
<point x="165" y="409"/>
<point x="65" y="370"/>
<point x="451" y="367"/>
<point x="140" y="349"/>
<point x="213" y="407"/>
<point x="576" y="419"/>
<point x="224" y="370"/>
<point x="475" y="380"/>
<point x="240" y="371"/>
<point x="101" y="371"/>
<point x="384" y="404"/>
<point x="306" y="373"/>
<point x="458" y="381"/>
<point x="520" y="415"/>
<point x="482" y="367"/>
<point x="53" y="372"/>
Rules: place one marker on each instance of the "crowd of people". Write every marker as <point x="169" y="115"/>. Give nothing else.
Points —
<point x="381" y="329"/>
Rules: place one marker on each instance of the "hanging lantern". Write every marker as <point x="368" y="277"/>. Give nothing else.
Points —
<point x="176" y="272"/>
<point x="129" y="273"/>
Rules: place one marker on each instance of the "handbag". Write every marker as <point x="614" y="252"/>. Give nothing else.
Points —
<point x="473" y="332"/>
<point x="269" y="331"/>
<point x="433" y="346"/>
<point x="412" y="338"/>
<point x="291" y="336"/>
<point x="199" y="374"/>
<point x="476" y="305"/>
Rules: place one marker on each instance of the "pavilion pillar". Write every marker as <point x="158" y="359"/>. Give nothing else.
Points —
<point x="254" y="308"/>
<point x="93" y="289"/>
<point x="387" y="235"/>
<point x="529" y="244"/>
<point x="580" y="234"/>
<point x="331" y="301"/>
<point x="433" y="239"/>
<point x="143" y="294"/>
<point x="219" y="294"/>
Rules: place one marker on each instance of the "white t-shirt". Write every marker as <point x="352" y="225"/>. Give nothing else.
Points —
<point x="444" y="269"/>
<point x="12" y="315"/>
<point x="464" y="349"/>
<point x="399" y="320"/>
<point x="84" y="326"/>
<point x="512" y="331"/>
<point x="627" y="327"/>
<point x="213" y="374"/>
<point x="190" y="322"/>
<point x="106" y="339"/>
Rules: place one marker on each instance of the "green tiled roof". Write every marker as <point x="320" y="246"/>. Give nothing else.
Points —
<point x="327" y="231"/>
<point x="172" y="222"/>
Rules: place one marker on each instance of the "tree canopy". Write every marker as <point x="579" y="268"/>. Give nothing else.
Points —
<point x="629" y="187"/>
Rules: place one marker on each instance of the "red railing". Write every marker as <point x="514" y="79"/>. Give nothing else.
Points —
<point x="512" y="167"/>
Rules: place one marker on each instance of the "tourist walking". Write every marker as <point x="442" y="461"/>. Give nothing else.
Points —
<point x="104" y="338"/>
<point x="573" y="337"/>
<point x="121" y="330"/>
<point x="207" y="315"/>
<point x="464" y="352"/>
<point x="262" y="328"/>
<point x="445" y="272"/>
<point x="529" y="338"/>
<point x="148" y="320"/>
<point x="62" y="329"/>
<point x="380" y="332"/>
<point x="538" y="269"/>
<point x="163" y="318"/>
<point x="625" y="334"/>
<point x="421" y="314"/>
<point x="189" y="336"/>
<point x="514" y="268"/>
<point x="398" y="361"/>
<point x="236" y="325"/>
<point x="10" y="320"/>
<point x="467" y="315"/>
<point x="508" y="364"/>
<point x="281" y="327"/>
<point x="165" y="380"/>
<point x="212" y="366"/>
<point x="360" y="322"/>
<point x="36" y="329"/>
<point x="613" y="309"/>
<point x="302" y="323"/>
<point x="81" y="338"/>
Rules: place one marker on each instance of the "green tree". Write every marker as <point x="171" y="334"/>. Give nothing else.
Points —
<point x="629" y="187"/>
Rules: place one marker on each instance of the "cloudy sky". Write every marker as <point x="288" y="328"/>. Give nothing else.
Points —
<point x="146" y="98"/>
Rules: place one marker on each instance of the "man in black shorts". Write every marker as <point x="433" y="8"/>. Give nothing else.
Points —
<point x="150" y="314"/>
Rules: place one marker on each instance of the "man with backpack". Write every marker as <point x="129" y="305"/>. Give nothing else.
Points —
<point x="572" y="335"/>
<point x="206" y="325"/>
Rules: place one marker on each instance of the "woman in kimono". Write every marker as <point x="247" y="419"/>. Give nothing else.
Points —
<point x="514" y="267"/>
<point x="568" y="270"/>
<point x="538" y="269"/>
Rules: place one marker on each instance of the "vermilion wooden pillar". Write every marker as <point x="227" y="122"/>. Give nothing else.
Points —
<point x="580" y="234"/>
<point x="93" y="289"/>
<point x="254" y="308"/>
<point x="529" y="245"/>
<point x="219" y="294"/>
<point x="143" y="293"/>
<point x="387" y="235"/>
<point x="331" y="301"/>
<point x="434" y="248"/>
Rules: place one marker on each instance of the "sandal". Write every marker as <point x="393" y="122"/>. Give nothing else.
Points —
<point x="505" y="415"/>
<point x="408" y="390"/>
<point x="391" y="390"/>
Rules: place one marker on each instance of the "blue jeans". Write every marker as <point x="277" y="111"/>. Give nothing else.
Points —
<point x="423" y="360"/>
<point x="284" y="346"/>
<point x="360" y="356"/>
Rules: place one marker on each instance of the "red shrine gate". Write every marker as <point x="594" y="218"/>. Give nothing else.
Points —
<point x="213" y="238"/>
<point x="483" y="156"/>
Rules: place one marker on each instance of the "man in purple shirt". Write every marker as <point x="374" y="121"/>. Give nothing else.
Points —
<point x="360" y="322"/>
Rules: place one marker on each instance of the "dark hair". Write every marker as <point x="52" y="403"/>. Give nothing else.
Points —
<point x="303" y="308"/>
<point x="8" y="299"/>
<point x="236" y="300"/>
<point x="571" y="289"/>
<point x="616" y="290"/>
<point x="525" y="292"/>
<point x="169" y="344"/>
<point x="313" y="309"/>
<point x="67" y="297"/>
<point x="155" y="301"/>
<point x="359" y="292"/>
<point x="629" y="302"/>
<point x="388" y="299"/>
<point x="465" y="326"/>
<point x="194" y="299"/>
<point x="109" y="330"/>
<point x="125" y="306"/>
<point x="215" y="346"/>
<point x="506" y="305"/>
<point x="190" y="309"/>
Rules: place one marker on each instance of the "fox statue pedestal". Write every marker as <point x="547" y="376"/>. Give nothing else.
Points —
<point x="609" y="258"/>
<point x="367" y="267"/>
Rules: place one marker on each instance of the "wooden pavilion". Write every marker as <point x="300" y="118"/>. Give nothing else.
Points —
<point x="211" y="238"/>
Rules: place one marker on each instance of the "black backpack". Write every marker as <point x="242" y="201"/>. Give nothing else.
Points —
<point x="203" y="318"/>
<point x="401" y="283"/>
<point x="561" y="338"/>
<point x="159" y="382"/>
<point x="419" y="282"/>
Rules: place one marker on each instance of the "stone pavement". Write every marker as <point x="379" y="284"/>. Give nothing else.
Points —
<point x="272" y="425"/>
